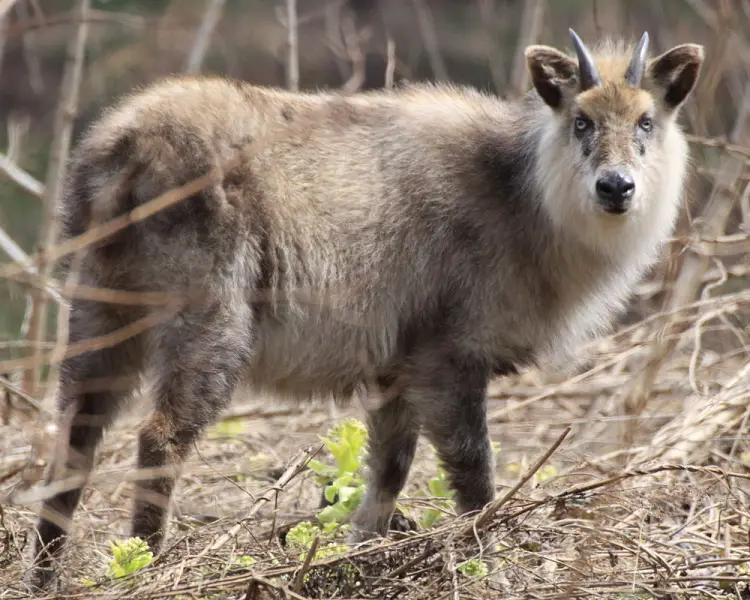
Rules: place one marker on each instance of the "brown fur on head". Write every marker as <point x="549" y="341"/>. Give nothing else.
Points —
<point x="668" y="78"/>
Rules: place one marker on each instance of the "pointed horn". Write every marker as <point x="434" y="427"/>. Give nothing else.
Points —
<point x="588" y="71"/>
<point x="637" y="65"/>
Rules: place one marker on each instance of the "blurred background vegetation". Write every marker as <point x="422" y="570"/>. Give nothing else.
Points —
<point x="344" y="43"/>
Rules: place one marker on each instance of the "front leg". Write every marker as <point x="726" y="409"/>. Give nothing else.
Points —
<point x="449" y="394"/>
<point x="393" y="433"/>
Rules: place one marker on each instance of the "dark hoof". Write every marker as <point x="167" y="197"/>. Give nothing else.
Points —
<point x="401" y="523"/>
<point x="40" y="580"/>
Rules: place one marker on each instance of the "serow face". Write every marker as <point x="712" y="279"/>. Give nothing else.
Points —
<point x="614" y="131"/>
<point x="614" y="111"/>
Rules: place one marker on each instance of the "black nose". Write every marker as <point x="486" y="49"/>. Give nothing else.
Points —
<point x="615" y="191"/>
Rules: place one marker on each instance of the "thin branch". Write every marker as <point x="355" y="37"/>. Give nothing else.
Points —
<point x="597" y="19"/>
<point x="15" y="252"/>
<point x="531" y="23"/>
<point x="489" y="18"/>
<point x="292" y="65"/>
<point x="430" y="39"/>
<point x="67" y="109"/>
<point x="352" y="40"/>
<point x="294" y="468"/>
<point x="491" y="510"/>
<point x="390" y="67"/>
<point x="18" y="392"/>
<point x="300" y="578"/>
<point x="112" y="226"/>
<point x="30" y="53"/>
<point x="20" y="177"/>
<point x="95" y="16"/>
<point x="211" y="18"/>
<point x="3" y="37"/>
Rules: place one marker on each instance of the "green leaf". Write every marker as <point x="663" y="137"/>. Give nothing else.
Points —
<point x="346" y="493"/>
<point x="321" y="468"/>
<point x="302" y="535"/>
<point x="473" y="567"/>
<point x="128" y="557"/>
<point x="335" y="513"/>
<point x="243" y="560"/>
<point x="330" y="493"/>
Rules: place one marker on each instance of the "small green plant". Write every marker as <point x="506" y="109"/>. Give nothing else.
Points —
<point x="443" y="496"/>
<point x="227" y="429"/>
<point x="244" y="560"/>
<point x="546" y="473"/>
<point x="302" y="536"/>
<point x="443" y="499"/>
<point x="128" y="557"/>
<point x="473" y="567"/>
<point x="344" y="483"/>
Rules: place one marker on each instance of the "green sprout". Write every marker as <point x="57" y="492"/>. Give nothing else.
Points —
<point x="128" y="557"/>
<point x="345" y="483"/>
<point x="473" y="567"/>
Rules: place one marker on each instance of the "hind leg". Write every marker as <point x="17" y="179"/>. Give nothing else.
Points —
<point x="199" y="361"/>
<point x="92" y="386"/>
<point x="392" y="434"/>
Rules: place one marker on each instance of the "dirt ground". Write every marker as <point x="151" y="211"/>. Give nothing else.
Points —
<point x="633" y="503"/>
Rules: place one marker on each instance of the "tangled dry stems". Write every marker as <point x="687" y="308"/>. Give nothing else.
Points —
<point x="617" y="525"/>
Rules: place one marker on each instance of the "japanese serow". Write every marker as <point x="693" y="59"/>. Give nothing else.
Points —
<point x="411" y="243"/>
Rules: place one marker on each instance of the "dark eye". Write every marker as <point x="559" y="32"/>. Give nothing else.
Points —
<point x="581" y="124"/>
<point x="646" y="123"/>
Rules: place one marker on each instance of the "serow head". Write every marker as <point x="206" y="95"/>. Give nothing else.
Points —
<point x="613" y="112"/>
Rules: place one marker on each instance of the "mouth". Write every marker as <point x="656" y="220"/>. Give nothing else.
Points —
<point x="615" y="209"/>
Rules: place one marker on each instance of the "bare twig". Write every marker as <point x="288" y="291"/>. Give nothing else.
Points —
<point x="211" y="18"/>
<point x="390" y="67"/>
<point x="94" y="17"/>
<point x="494" y="54"/>
<point x="3" y="37"/>
<point x="94" y="343"/>
<point x="21" y="177"/>
<point x="300" y="578"/>
<point x="531" y="23"/>
<point x="292" y="65"/>
<point x="430" y="39"/>
<point x="352" y="39"/>
<point x="16" y="391"/>
<point x="295" y="467"/>
<point x="15" y="252"/>
<point x="491" y="510"/>
<point x="69" y="92"/>
<point x="141" y="212"/>
<point x="30" y="54"/>
<point x="597" y="18"/>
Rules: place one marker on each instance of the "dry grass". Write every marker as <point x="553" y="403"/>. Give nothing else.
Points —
<point x="664" y="517"/>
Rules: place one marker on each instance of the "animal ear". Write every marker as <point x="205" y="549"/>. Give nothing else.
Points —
<point x="551" y="73"/>
<point x="675" y="73"/>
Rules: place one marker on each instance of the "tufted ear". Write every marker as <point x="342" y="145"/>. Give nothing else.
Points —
<point x="675" y="73"/>
<point x="553" y="74"/>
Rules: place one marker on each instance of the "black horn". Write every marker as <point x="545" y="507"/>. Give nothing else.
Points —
<point x="637" y="65"/>
<point x="588" y="72"/>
